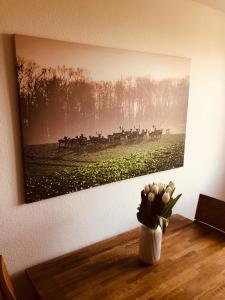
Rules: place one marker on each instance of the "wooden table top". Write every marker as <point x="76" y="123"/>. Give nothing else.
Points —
<point x="192" y="266"/>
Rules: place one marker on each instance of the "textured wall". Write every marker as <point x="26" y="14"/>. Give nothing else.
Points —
<point x="33" y="233"/>
<point x="216" y="4"/>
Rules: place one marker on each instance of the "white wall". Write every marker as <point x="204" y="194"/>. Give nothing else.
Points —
<point x="32" y="233"/>
<point x="217" y="4"/>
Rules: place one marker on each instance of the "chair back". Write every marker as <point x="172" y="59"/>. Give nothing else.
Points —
<point x="1" y="295"/>
<point x="211" y="211"/>
<point x="6" y="286"/>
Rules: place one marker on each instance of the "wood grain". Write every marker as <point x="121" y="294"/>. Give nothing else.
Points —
<point x="211" y="211"/>
<point x="192" y="266"/>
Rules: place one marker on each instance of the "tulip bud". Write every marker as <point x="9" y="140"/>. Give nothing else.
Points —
<point x="166" y="197"/>
<point x="168" y="189"/>
<point x="147" y="189"/>
<point x="171" y="184"/>
<point x="151" y="197"/>
<point x="155" y="189"/>
<point x="161" y="186"/>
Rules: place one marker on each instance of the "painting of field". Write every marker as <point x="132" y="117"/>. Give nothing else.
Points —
<point x="93" y="115"/>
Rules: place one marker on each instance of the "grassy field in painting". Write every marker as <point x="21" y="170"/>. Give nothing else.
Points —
<point x="51" y="171"/>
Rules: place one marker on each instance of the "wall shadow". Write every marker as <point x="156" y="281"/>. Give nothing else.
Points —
<point x="9" y="72"/>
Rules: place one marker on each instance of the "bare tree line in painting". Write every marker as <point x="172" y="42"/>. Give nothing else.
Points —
<point x="66" y="101"/>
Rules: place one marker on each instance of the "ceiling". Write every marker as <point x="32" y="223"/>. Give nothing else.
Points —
<point x="217" y="4"/>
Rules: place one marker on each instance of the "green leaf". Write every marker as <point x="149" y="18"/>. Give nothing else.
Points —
<point x="166" y="214"/>
<point x="163" y="222"/>
<point x="169" y="206"/>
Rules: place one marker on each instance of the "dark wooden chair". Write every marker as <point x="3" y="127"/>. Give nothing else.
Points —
<point x="6" y="286"/>
<point x="1" y="296"/>
<point x="211" y="211"/>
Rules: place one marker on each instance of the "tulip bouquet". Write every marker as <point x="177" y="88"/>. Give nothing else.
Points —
<point x="156" y="205"/>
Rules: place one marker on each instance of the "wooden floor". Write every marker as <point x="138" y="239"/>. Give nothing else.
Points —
<point x="192" y="266"/>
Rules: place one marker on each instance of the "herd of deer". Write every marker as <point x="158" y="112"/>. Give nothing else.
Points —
<point x="112" y="139"/>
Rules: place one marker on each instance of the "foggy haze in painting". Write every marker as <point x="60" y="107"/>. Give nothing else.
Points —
<point x="83" y="106"/>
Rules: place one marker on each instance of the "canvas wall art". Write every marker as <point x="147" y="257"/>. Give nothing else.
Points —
<point x="94" y="115"/>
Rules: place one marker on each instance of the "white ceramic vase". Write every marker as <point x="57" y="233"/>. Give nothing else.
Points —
<point x="150" y="244"/>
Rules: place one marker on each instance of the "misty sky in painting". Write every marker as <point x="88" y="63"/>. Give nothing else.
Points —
<point x="69" y="89"/>
<point x="103" y="63"/>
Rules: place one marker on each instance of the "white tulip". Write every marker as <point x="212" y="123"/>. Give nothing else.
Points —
<point x="172" y="184"/>
<point x="161" y="186"/>
<point x="147" y="189"/>
<point x="166" y="197"/>
<point x="155" y="189"/>
<point x="168" y="189"/>
<point x="151" y="197"/>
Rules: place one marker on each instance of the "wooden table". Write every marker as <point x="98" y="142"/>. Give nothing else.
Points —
<point x="192" y="266"/>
